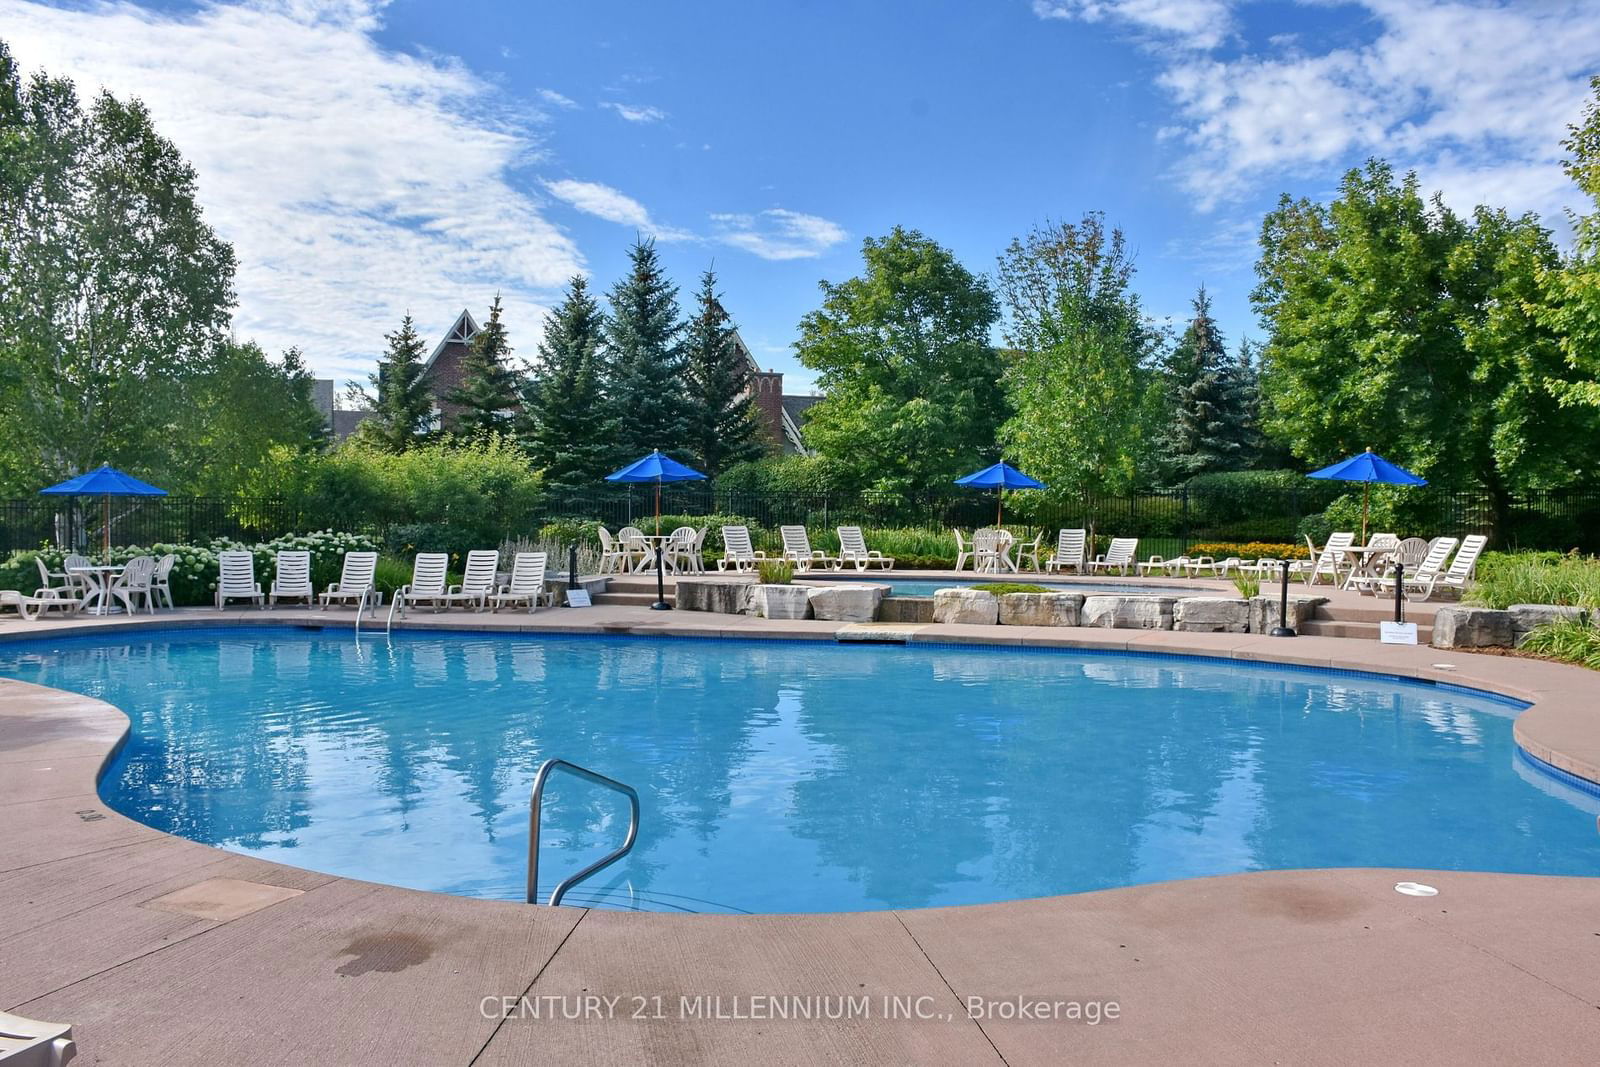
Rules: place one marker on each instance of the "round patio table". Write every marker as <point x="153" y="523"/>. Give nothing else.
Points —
<point x="99" y="576"/>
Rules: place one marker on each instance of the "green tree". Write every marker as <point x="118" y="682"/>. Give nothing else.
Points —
<point x="724" y="424"/>
<point x="567" y="427"/>
<point x="487" y="397"/>
<point x="1570" y="303"/>
<point x="1079" y="367"/>
<point x="115" y="295"/>
<point x="1397" y="325"/>
<point x="247" y="406"/>
<point x="645" y="358"/>
<point x="401" y="404"/>
<point x="912" y="396"/>
<point x="1209" y="425"/>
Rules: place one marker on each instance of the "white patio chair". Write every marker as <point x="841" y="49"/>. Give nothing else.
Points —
<point x="291" y="579"/>
<point x="1069" y="551"/>
<point x="1410" y="552"/>
<point x="737" y="555"/>
<point x="698" y="553"/>
<point x="429" y="575"/>
<point x="526" y="585"/>
<point x="1028" y="551"/>
<point x="355" y="581"/>
<point x="636" y="551"/>
<point x="135" y="582"/>
<point x="477" y="580"/>
<point x="56" y="584"/>
<point x="963" y="550"/>
<point x="236" y="579"/>
<point x="1119" y="556"/>
<point x="797" y="550"/>
<point x="1427" y="573"/>
<point x="853" y="550"/>
<point x="989" y="550"/>
<point x="613" y="557"/>
<point x="161" y="580"/>
<point x="1327" y="561"/>
<point x="678" y="553"/>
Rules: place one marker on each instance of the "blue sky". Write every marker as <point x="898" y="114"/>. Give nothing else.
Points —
<point x="371" y="158"/>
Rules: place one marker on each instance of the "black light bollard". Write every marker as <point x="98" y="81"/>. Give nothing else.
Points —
<point x="572" y="566"/>
<point x="1283" y="629"/>
<point x="661" y="589"/>
<point x="1399" y="596"/>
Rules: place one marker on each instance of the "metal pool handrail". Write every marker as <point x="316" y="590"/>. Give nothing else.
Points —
<point x="535" y="806"/>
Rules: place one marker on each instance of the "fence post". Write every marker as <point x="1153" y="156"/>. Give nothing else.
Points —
<point x="1184" y="548"/>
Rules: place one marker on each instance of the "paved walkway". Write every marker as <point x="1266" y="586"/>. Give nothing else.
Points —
<point x="162" y="951"/>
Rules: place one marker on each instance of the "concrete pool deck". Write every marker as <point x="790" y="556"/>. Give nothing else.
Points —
<point x="164" y="951"/>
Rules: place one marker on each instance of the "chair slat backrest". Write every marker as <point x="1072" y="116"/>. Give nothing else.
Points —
<point x="1383" y="542"/>
<point x="136" y="575"/>
<point x="796" y="542"/>
<point x="987" y="540"/>
<point x="1122" y="550"/>
<point x="74" y="560"/>
<point x="357" y="571"/>
<point x="682" y="537"/>
<point x="1438" y="552"/>
<point x="428" y="574"/>
<point x="736" y="542"/>
<point x="1334" y="550"/>
<point x="482" y="563"/>
<point x="527" y="573"/>
<point x="1069" y="545"/>
<point x="852" y="542"/>
<point x="294" y="571"/>
<point x="164" y="566"/>
<point x="237" y="572"/>
<point x="631" y="537"/>
<point x="1467" y="558"/>
<point x="1411" y="552"/>
<point x="606" y="544"/>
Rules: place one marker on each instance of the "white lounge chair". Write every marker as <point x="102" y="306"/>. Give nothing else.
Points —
<point x="236" y="579"/>
<point x="291" y="579"/>
<point x="1427" y="572"/>
<point x="1176" y="567"/>
<point x="1329" y="560"/>
<point x="1456" y="577"/>
<point x="853" y="550"/>
<point x="1069" y="551"/>
<point x="429" y="576"/>
<point x="477" y="580"/>
<point x="526" y="585"/>
<point x="1119" y="556"/>
<point x="737" y="555"/>
<point x="34" y="607"/>
<point x="355" y="581"/>
<point x="797" y="550"/>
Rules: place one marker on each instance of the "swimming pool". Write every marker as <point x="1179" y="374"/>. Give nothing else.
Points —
<point x="928" y="586"/>
<point x="787" y="776"/>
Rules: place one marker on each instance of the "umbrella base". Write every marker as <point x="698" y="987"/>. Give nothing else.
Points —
<point x="661" y="605"/>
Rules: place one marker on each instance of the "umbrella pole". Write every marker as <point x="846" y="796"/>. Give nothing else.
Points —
<point x="1366" y="493"/>
<point x="658" y="507"/>
<point x="999" y="504"/>
<point x="106" y="515"/>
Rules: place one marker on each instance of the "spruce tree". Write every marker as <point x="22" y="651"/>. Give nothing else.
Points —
<point x="1209" y="401"/>
<point x="724" y="423"/>
<point x="566" y="426"/>
<point x="487" y="395"/>
<point x="402" y="406"/>
<point x="645" y="358"/>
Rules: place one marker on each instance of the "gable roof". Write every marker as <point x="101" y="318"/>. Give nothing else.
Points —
<point x="461" y="333"/>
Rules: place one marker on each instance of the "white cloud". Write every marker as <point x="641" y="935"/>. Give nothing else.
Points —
<point x="550" y="96"/>
<point x="1473" y="94"/>
<point x="353" y="182"/>
<point x="613" y="205"/>
<point x="635" y="113"/>
<point x="778" y="234"/>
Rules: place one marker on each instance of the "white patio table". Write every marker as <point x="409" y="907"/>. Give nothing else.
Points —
<point x="99" y="576"/>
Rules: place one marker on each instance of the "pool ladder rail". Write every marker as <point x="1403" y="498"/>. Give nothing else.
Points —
<point x="535" y="807"/>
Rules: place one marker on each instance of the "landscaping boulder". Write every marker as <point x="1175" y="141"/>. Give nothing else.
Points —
<point x="1211" y="615"/>
<point x="906" y="609"/>
<point x="1526" y="618"/>
<point x="1264" y="612"/>
<point x="1040" y="609"/>
<point x="966" y="605"/>
<point x="729" y="596"/>
<point x="781" y="602"/>
<point x="1462" y="627"/>
<point x="1129" y="612"/>
<point x="846" y="601"/>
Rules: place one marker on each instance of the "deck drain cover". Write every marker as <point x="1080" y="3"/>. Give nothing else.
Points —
<point x="1415" y="889"/>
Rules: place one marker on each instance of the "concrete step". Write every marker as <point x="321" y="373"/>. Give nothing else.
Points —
<point x="631" y="599"/>
<point x="1365" y="631"/>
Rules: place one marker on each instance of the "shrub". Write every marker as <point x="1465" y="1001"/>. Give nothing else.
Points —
<point x="391" y="574"/>
<point x="1249" y="585"/>
<point x="1002" y="588"/>
<point x="1536" y="578"/>
<point x="1249" y="550"/>
<point x="775" y="571"/>
<point x="1570" y="640"/>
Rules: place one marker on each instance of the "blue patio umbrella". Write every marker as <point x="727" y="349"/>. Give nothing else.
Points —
<point x="105" y="482"/>
<point x="999" y="477"/>
<point x="656" y="468"/>
<point x="1368" y="467"/>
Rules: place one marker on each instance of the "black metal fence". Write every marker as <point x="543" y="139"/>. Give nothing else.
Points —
<point x="1554" y="519"/>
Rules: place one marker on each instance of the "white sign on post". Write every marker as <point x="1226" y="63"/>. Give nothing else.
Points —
<point x="579" y="598"/>
<point x="1397" y="633"/>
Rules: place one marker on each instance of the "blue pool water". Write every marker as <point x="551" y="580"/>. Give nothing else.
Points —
<point x="928" y="586"/>
<point x="790" y="777"/>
